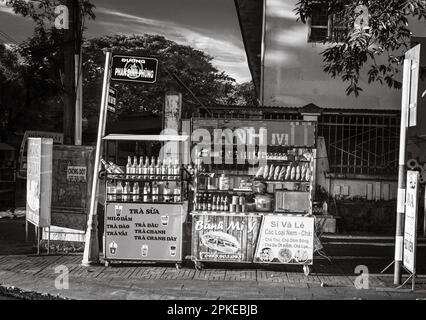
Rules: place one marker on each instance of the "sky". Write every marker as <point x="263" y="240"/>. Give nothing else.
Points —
<point x="208" y="25"/>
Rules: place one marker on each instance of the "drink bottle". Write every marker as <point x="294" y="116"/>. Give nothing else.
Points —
<point x="128" y="167"/>
<point x="145" y="169"/>
<point x="107" y="166"/>
<point x="119" y="191"/>
<point x="139" y="167"/>
<point x="166" y="193"/>
<point x="136" y="192"/>
<point x="158" y="170"/>
<point x="126" y="191"/>
<point x="146" y="192"/>
<point x="176" y="193"/>
<point x="154" y="192"/>
<point x="152" y="169"/>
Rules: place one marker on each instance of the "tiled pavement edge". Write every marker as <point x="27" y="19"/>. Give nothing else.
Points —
<point x="327" y="281"/>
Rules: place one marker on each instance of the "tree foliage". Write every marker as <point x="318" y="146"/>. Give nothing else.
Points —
<point x="192" y="69"/>
<point x="380" y="50"/>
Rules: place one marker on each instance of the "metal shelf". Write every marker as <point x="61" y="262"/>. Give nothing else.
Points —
<point x="282" y="181"/>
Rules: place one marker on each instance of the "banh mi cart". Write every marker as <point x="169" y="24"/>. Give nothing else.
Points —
<point x="255" y="213"/>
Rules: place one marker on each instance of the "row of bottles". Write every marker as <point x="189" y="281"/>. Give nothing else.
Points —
<point x="133" y="192"/>
<point x="207" y="202"/>
<point x="153" y="170"/>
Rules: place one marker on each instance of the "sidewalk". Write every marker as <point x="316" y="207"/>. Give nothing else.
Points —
<point x="21" y="268"/>
<point x="328" y="281"/>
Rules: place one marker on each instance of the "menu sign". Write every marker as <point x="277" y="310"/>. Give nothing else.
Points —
<point x="286" y="240"/>
<point x="147" y="232"/>
<point x="410" y="225"/>
<point x="224" y="237"/>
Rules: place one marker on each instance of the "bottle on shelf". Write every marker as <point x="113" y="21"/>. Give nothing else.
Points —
<point x="111" y="186"/>
<point x="119" y="191"/>
<point x="152" y="169"/>
<point x="107" y="166"/>
<point x="202" y="203"/>
<point x="146" y="192"/>
<point x="115" y="168"/>
<point x="176" y="169"/>
<point x="136" y="192"/>
<point x="209" y="202"/>
<point x="214" y="204"/>
<point x="158" y="170"/>
<point x="155" y="192"/>
<point x="166" y="193"/>
<point x="225" y="204"/>
<point x="170" y="170"/>
<point x="145" y="169"/>
<point x="164" y="170"/>
<point x="218" y="203"/>
<point x="221" y="205"/>
<point x="126" y="191"/>
<point x="128" y="167"/>
<point x="135" y="167"/>
<point x="176" y="195"/>
<point x="139" y="167"/>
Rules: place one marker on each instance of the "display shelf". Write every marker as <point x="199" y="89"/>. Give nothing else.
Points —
<point x="281" y="181"/>
<point x="224" y="191"/>
<point x="141" y="202"/>
<point x="194" y="212"/>
<point x="288" y="161"/>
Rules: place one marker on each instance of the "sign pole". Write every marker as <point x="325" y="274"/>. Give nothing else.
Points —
<point x="399" y="236"/>
<point x="91" y="246"/>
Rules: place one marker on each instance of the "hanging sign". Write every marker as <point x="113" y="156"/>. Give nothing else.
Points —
<point x="134" y="69"/>
<point x="112" y="100"/>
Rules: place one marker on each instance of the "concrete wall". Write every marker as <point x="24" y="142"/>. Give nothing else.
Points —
<point x="293" y="74"/>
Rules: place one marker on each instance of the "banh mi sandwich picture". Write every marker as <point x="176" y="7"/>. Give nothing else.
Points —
<point x="220" y="241"/>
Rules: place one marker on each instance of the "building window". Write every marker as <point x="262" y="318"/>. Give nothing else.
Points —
<point x="324" y="27"/>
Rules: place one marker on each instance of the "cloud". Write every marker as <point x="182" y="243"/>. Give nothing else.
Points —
<point x="227" y="54"/>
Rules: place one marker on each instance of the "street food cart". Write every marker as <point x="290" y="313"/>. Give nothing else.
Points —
<point x="253" y="199"/>
<point x="145" y="204"/>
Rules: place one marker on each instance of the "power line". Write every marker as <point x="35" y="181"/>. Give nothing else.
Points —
<point x="8" y="37"/>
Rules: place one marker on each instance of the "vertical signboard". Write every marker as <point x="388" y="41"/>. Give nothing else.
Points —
<point x="145" y="232"/>
<point x="286" y="239"/>
<point x="410" y="225"/>
<point x="39" y="181"/>
<point x="112" y="100"/>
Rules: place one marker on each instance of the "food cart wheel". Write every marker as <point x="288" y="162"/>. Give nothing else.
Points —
<point x="307" y="270"/>
<point x="178" y="266"/>
<point x="198" y="265"/>
<point x="106" y="263"/>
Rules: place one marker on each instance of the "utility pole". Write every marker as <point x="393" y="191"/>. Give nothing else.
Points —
<point x="78" y="32"/>
<point x="70" y="72"/>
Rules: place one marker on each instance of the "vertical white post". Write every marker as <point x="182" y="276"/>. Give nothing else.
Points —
<point x="91" y="246"/>
<point x="399" y="236"/>
<point x="78" y="100"/>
